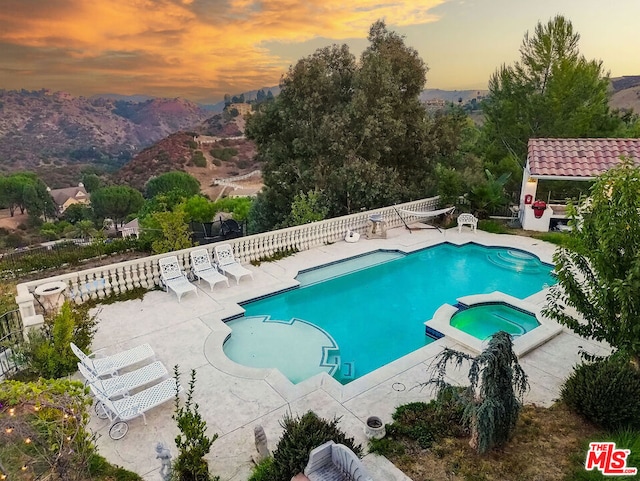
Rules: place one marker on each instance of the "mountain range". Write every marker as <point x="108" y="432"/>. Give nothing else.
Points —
<point x="58" y="135"/>
<point x="40" y="128"/>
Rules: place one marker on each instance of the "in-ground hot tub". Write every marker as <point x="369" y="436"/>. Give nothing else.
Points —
<point x="476" y="318"/>
<point x="485" y="319"/>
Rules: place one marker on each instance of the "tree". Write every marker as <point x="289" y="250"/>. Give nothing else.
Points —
<point x="199" y="209"/>
<point x="83" y="229"/>
<point x="175" y="231"/>
<point x="488" y="195"/>
<point x="356" y="133"/>
<point x="599" y="272"/>
<point x="553" y="91"/>
<point x="116" y="202"/>
<point x="25" y="191"/>
<point x="493" y="399"/>
<point x="77" y="212"/>
<point x="306" y="208"/>
<point x="176" y="180"/>
<point x="91" y="182"/>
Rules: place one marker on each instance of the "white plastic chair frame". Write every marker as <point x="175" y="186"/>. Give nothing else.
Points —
<point x="173" y="278"/>
<point x="228" y="264"/>
<point x="110" y="365"/>
<point x="123" y="384"/>
<point x="203" y="269"/>
<point x="120" y="411"/>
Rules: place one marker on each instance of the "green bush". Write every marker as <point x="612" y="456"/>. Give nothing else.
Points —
<point x="192" y="442"/>
<point x="217" y="162"/>
<point x="558" y="238"/>
<point x="301" y="435"/>
<point x="492" y="226"/>
<point x="243" y="164"/>
<point x="198" y="159"/>
<point x="47" y="352"/>
<point x="428" y="422"/>
<point x="226" y="153"/>
<point x="264" y="471"/>
<point x="606" y="393"/>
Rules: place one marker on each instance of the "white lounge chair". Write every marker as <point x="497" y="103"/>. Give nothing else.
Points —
<point x="121" y="385"/>
<point x="110" y="365"/>
<point x="173" y="278"/>
<point x="228" y="264"/>
<point x="203" y="269"/>
<point x="122" y="410"/>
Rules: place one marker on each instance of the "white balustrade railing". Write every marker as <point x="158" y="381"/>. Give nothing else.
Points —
<point x="117" y="278"/>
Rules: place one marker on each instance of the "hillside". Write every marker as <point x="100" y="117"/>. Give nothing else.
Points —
<point x="225" y="157"/>
<point x="626" y="93"/>
<point x="43" y="128"/>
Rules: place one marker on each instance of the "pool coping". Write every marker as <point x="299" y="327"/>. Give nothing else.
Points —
<point x="214" y="351"/>
<point x="547" y="330"/>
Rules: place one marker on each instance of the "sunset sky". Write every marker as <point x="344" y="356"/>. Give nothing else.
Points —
<point x="201" y="49"/>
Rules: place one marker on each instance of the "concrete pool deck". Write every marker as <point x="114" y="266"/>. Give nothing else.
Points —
<point x="233" y="399"/>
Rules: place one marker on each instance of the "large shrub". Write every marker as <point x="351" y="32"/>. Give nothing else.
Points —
<point x="53" y="416"/>
<point x="47" y="353"/>
<point x="301" y="435"/>
<point x="428" y="422"/>
<point x="605" y="392"/>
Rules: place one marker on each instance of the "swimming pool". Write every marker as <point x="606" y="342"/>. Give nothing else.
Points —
<point x="376" y="314"/>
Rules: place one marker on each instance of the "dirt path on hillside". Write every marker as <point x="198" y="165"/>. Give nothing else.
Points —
<point x="12" y="223"/>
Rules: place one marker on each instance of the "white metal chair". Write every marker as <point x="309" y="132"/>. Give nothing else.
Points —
<point x="228" y="264"/>
<point x="122" y="410"/>
<point x="110" y="365"/>
<point x="121" y="385"/>
<point x="467" y="219"/>
<point x="203" y="269"/>
<point x="173" y="278"/>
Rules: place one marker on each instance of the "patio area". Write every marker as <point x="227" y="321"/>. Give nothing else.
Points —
<point x="234" y="399"/>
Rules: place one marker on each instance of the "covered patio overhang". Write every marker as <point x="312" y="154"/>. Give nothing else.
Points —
<point x="580" y="160"/>
<point x="544" y="218"/>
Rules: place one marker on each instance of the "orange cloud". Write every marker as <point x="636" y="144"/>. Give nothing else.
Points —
<point x="194" y="48"/>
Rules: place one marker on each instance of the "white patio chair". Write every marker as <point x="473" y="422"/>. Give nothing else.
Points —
<point x="121" y="385"/>
<point x="203" y="269"/>
<point x="228" y="264"/>
<point x="335" y="462"/>
<point x="173" y="278"/>
<point x="122" y="410"/>
<point x="110" y="365"/>
<point x="467" y="219"/>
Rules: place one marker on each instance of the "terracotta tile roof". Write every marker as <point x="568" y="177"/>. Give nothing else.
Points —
<point x="579" y="157"/>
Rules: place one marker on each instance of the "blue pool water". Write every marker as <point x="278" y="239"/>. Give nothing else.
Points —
<point x="376" y="314"/>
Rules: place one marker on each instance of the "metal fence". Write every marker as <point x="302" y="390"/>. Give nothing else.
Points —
<point x="11" y="338"/>
<point x="20" y="262"/>
<point x="216" y="231"/>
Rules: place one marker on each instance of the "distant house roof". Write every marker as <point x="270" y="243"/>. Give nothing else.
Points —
<point x="585" y="158"/>
<point x="60" y="196"/>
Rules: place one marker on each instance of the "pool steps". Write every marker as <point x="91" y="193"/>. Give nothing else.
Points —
<point x="516" y="261"/>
